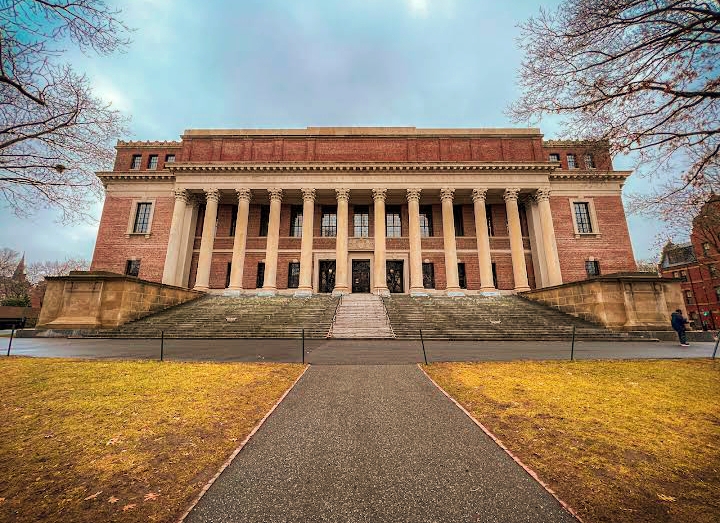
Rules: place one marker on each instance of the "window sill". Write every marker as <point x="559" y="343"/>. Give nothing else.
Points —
<point x="588" y="235"/>
<point x="137" y="234"/>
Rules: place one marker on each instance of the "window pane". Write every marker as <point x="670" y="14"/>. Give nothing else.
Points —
<point x="264" y="220"/>
<point x="592" y="267"/>
<point x="554" y="157"/>
<point x="328" y="222"/>
<point x="458" y="218"/>
<point x="294" y="275"/>
<point x="152" y="161"/>
<point x="462" y="278"/>
<point x="428" y="270"/>
<point x="132" y="268"/>
<point x="233" y="220"/>
<point x="361" y="222"/>
<point x="169" y="158"/>
<point x="426" y="228"/>
<point x="142" y="217"/>
<point x="393" y="227"/>
<point x="572" y="164"/>
<point x="135" y="161"/>
<point x="260" y="280"/>
<point x="296" y="221"/>
<point x="582" y="217"/>
<point x="589" y="161"/>
<point x="488" y="215"/>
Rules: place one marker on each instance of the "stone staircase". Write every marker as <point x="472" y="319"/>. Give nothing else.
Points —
<point x="489" y="318"/>
<point x="235" y="317"/>
<point x="361" y="316"/>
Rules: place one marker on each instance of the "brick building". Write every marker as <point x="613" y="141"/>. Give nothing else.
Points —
<point x="697" y="264"/>
<point x="363" y="210"/>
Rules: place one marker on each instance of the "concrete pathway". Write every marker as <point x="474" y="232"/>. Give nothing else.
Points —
<point x="373" y="444"/>
<point x="347" y="351"/>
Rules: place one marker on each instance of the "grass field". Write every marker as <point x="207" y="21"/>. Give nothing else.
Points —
<point x="630" y="441"/>
<point x="122" y="441"/>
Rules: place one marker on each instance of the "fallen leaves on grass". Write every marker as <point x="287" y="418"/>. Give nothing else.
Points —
<point x="151" y="496"/>
<point x="93" y="496"/>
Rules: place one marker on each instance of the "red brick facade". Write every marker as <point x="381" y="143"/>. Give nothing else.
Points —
<point x="609" y="243"/>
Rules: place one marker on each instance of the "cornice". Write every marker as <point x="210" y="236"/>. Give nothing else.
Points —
<point x="361" y="132"/>
<point x="135" y="176"/>
<point x="576" y="143"/>
<point x="148" y="144"/>
<point x="589" y="175"/>
<point x="227" y="167"/>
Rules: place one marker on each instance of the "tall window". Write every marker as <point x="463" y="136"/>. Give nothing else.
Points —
<point x="428" y="270"/>
<point x="132" y="268"/>
<point x="582" y="217"/>
<point x="717" y="293"/>
<point x="393" y="225"/>
<point x="572" y="161"/>
<point x="458" y="218"/>
<point x="488" y="215"/>
<point x="589" y="161"/>
<point x="592" y="268"/>
<point x="426" y="225"/>
<point x="706" y="248"/>
<point x="227" y="274"/>
<point x="554" y="157"/>
<point x="152" y="161"/>
<point x="713" y="271"/>
<point x="264" y="220"/>
<point x="233" y="220"/>
<point x="169" y="158"/>
<point x="688" y="297"/>
<point x="294" y="275"/>
<point x="135" y="163"/>
<point x="361" y="221"/>
<point x="260" y="279"/>
<point x="296" y="221"/>
<point x="462" y="276"/>
<point x="328" y="221"/>
<point x="142" y="217"/>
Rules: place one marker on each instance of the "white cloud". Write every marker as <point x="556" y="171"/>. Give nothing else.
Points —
<point x="419" y="8"/>
<point x="422" y="8"/>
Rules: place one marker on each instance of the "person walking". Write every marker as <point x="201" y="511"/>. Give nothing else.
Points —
<point x="678" y="322"/>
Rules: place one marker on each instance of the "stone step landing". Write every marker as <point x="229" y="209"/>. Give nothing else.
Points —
<point x="361" y="316"/>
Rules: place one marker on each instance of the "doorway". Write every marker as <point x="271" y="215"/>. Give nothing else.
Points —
<point x="361" y="275"/>
<point x="326" y="280"/>
<point x="394" y="271"/>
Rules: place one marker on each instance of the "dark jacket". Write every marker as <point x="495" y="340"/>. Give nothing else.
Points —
<point x="678" y="321"/>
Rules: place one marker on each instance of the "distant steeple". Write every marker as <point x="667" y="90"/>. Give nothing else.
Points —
<point x="19" y="274"/>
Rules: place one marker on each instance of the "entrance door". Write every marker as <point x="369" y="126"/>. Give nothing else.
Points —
<point x="394" y="271"/>
<point x="361" y="275"/>
<point x="326" y="280"/>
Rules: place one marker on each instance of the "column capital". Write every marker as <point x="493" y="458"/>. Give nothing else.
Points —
<point x="542" y="194"/>
<point x="379" y="194"/>
<point x="511" y="193"/>
<point x="275" y="194"/>
<point x="243" y="194"/>
<point x="413" y="195"/>
<point x="181" y="195"/>
<point x="479" y="195"/>
<point x="342" y="194"/>
<point x="212" y="195"/>
<point x="308" y="194"/>
<point x="447" y="193"/>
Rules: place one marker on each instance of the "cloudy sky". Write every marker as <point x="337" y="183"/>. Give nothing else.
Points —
<point x="298" y="63"/>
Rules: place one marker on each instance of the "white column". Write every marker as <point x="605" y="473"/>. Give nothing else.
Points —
<point x="273" y="239"/>
<point x="483" y="241"/>
<point x="237" y="266"/>
<point x="451" y="264"/>
<point x="175" y="238"/>
<point x="416" y="278"/>
<point x="542" y="196"/>
<point x="516" y="243"/>
<point x="306" y="244"/>
<point x="379" y="275"/>
<point x="341" y="243"/>
<point x="188" y="241"/>
<point x="202" y="279"/>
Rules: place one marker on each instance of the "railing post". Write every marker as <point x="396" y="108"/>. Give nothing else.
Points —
<point x="12" y="333"/>
<point x="717" y="341"/>
<point x="162" y="344"/>
<point x="423" y="347"/>
<point x="303" y="346"/>
<point x="572" y="346"/>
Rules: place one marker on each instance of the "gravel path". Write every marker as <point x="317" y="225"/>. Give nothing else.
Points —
<point x="373" y="444"/>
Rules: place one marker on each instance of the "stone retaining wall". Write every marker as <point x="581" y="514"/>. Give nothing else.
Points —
<point x="104" y="300"/>
<point x="625" y="301"/>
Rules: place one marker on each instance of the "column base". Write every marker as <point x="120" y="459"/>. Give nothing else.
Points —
<point x="418" y="292"/>
<point x="303" y="293"/>
<point x="489" y="291"/>
<point x="381" y="291"/>
<point x="521" y="289"/>
<point x="455" y="293"/>
<point x="201" y="288"/>
<point x="263" y="293"/>
<point x="230" y="291"/>
<point x="340" y="291"/>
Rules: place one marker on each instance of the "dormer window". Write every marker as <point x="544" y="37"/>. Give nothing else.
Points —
<point x="135" y="163"/>
<point x="554" y="157"/>
<point x="572" y="161"/>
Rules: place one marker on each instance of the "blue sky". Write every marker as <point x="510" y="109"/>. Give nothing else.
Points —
<point x="292" y="63"/>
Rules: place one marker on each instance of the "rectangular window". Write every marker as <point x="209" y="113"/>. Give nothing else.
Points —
<point x="132" y="268"/>
<point x="688" y="297"/>
<point x="717" y="293"/>
<point x="227" y="274"/>
<point x="361" y="221"/>
<point x="572" y="162"/>
<point x="328" y="221"/>
<point x="488" y="215"/>
<point x="676" y="274"/>
<point x="152" y="161"/>
<point x="264" y="220"/>
<point x="296" y="221"/>
<point x="458" y="219"/>
<point x="393" y="225"/>
<point x="554" y="157"/>
<point x="706" y="248"/>
<point x="169" y="158"/>
<point x="589" y="161"/>
<point x="426" y="225"/>
<point x="494" y="271"/>
<point x="462" y="277"/>
<point x="294" y="275"/>
<point x="582" y="217"/>
<point x="683" y="275"/>
<point x="592" y="268"/>
<point x="233" y="220"/>
<point x="713" y="271"/>
<point x="142" y="217"/>
<point x="260" y="279"/>
<point x="136" y="159"/>
<point x="428" y="270"/>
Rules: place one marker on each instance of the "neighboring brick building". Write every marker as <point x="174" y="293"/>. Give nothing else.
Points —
<point x="697" y="264"/>
<point x="235" y="208"/>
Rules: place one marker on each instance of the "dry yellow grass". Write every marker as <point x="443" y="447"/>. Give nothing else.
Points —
<point x="630" y="441"/>
<point x="122" y="441"/>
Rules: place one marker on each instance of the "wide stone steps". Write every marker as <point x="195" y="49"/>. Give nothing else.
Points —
<point x="487" y="318"/>
<point x="361" y="316"/>
<point x="236" y="317"/>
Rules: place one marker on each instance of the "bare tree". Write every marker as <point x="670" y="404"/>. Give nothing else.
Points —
<point x="54" y="134"/>
<point x="37" y="271"/>
<point x="642" y="74"/>
<point x="8" y="262"/>
<point x="649" y="266"/>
